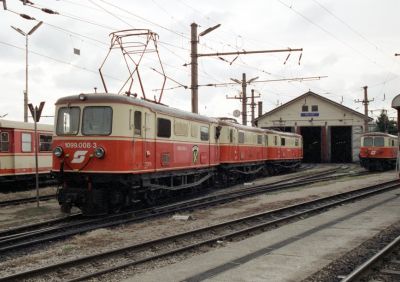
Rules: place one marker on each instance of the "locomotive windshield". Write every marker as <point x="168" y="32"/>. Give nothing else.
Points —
<point x="97" y="121"/>
<point x="378" y="142"/>
<point x="368" y="141"/>
<point x="68" y="121"/>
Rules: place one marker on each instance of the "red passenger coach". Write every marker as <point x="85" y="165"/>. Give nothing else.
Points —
<point x="17" y="152"/>
<point x="112" y="151"/>
<point x="378" y="151"/>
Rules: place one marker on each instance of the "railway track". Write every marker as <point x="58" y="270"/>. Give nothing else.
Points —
<point x="27" y="236"/>
<point x="26" y="200"/>
<point x="383" y="266"/>
<point x="95" y="265"/>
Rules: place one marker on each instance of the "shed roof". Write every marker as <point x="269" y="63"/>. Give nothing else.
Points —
<point x="310" y="93"/>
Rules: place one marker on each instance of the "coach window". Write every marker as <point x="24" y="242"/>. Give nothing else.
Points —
<point x="259" y="139"/>
<point x="204" y="134"/>
<point x="138" y="122"/>
<point x="45" y="143"/>
<point x="97" y="121"/>
<point x="231" y="135"/>
<point x="68" y="121"/>
<point x="26" y="142"/>
<point x="379" y="142"/>
<point x="163" y="127"/>
<point x="4" y="142"/>
<point x="296" y="142"/>
<point x="275" y="140"/>
<point x="241" y="137"/>
<point x="283" y="141"/>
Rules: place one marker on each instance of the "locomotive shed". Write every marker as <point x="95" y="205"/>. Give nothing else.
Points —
<point x="293" y="252"/>
<point x="331" y="132"/>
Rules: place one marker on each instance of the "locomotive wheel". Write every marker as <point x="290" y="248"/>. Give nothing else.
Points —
<point x="116" y="202"/>
<point x="66" y="208"/>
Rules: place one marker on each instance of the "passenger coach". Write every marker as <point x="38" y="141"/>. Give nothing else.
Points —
<point x="17" y="152"/>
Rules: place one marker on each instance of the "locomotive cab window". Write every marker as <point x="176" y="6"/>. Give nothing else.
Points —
<point x="163" y="128"/>
<point x="45" y="143"/>
<point x="204" y="134"/>
<point x="97" y="121"/>
<point x="68" y="121"/>
<point x="368" y="141"/>
<point x="4" y="142"/>
<point x="26" y="144"/>
<point x="137" y="123"/>
<point x="379" y="142"/>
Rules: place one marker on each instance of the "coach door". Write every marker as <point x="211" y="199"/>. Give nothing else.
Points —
<point x="149" y="152"/>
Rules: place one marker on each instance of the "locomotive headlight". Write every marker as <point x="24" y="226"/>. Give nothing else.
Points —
<point x="58" y="151"/>
<point x="99" y="152"/>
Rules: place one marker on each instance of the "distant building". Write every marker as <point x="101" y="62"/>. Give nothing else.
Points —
<point x="331" y="131"/>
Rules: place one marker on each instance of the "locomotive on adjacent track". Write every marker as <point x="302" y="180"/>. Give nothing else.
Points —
<point x="378" y="151"/>
<point x="112" y="151"/>
<point x="17" y="152"/>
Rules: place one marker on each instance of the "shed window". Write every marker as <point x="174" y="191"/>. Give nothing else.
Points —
<point x="241" y="137"/>
<point x="4" y="142"/>
<point x="283" y="141"/>
<point x="138" y="122"/>
<point x="314" y="108"/>
<point x="304" y="108"/>
<point x="204" y="134"/>
<point x="163" y="128"/>
<point x="45" y="143"/>
<point x="26" y="142"/>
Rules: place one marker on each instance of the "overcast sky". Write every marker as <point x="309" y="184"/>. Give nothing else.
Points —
<point x="351" y="42"/>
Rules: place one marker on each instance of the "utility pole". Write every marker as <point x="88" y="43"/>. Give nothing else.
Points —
<point x="194" y="68"/>
<point x="243" y="97"/>
<point x="365" y="103"/>
<point x="194" y="39"/>
<point x="253" y="106"/>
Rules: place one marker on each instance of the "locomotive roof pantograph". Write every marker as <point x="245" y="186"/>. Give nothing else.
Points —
<point x="134" y="44"/>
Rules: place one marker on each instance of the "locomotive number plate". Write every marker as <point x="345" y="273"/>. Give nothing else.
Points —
<point x="80" y="145"/>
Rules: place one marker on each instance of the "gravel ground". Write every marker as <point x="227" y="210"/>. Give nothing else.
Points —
<point x="106" y="239"/>
<point x="338" y="269"/>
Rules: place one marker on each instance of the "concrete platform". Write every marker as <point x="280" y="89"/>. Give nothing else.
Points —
<point x="290" y="253"/>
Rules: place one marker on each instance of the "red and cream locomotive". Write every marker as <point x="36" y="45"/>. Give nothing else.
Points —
<point x="378" y="151"/>
<point x="111" y="151"/>
<point x="17" y="152"/>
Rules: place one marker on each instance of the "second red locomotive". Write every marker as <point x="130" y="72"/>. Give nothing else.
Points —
<point x="378" y="151"/>
<point x="111" y="151"/>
